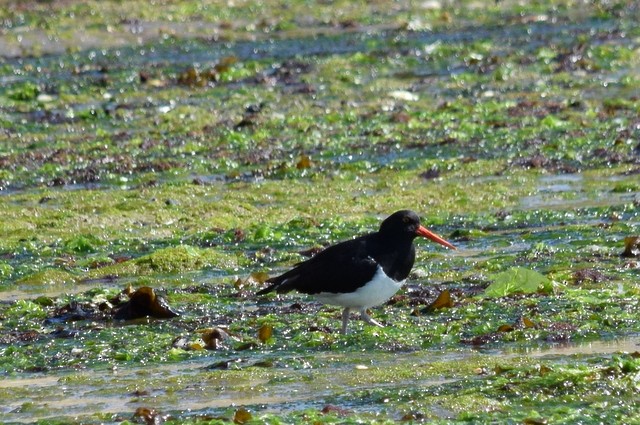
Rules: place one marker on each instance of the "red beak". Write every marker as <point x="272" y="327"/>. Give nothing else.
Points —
<point x="423" y="231"/>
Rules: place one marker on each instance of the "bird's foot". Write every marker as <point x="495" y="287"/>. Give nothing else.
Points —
<point x="345" y="320"/>
<point x="367" y="319"/>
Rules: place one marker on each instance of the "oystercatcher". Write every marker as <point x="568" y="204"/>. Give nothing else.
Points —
<point x="362" y="272"/>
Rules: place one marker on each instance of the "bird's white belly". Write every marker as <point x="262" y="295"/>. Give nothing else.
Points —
<point x="375" y="292"/>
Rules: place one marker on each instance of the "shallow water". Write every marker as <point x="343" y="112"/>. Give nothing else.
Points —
<point x="22" y="292"/>
<point x="613" y="346"/>
<point x="568" y="191"/>
<point x="189" y="388"/>
<point x="193" y="389"/>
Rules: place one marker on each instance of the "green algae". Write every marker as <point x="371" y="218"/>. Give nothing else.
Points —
<point x="23" y="311"/>
<point x="518" y="280"/>
<point x="178" y="259"/>
<point x="48" y="277"/>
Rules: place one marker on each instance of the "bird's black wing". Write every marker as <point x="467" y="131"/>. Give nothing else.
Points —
<point x="343" y="267"/>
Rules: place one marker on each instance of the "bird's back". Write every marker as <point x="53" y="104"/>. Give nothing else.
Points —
<point x="346" y="266"/>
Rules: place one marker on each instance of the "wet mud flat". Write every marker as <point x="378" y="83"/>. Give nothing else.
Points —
<point x="159" y="162"/>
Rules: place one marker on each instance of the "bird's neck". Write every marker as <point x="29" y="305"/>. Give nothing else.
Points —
<point x="396" y="257"/>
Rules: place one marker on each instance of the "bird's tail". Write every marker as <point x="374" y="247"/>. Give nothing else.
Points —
<point x="281" y="284"/>
<point x="268" y="289"/>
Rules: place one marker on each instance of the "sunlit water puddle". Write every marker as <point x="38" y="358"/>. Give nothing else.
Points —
<point x="31" y="291"/>
<point x="20" y="292"/>
<point x="189" y="388"/>
<point x="623" y="345"/>
<point x="569" y="191"/>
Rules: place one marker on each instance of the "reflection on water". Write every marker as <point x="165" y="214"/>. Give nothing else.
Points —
<point x="568" y="191"/>
<point x="19" y="292"/>
<point x="624" y="345"/>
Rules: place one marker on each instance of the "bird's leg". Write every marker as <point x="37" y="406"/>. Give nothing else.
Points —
<point x="345" y="319"/>
<point x="366" y="318"/>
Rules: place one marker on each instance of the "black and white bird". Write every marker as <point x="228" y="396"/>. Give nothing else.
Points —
<point x="360" y="273"/>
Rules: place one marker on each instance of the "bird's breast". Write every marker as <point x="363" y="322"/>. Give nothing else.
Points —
<point x="375" y="292"/>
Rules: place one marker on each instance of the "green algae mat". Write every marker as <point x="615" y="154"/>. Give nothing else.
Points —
<point x="160" y="160"/>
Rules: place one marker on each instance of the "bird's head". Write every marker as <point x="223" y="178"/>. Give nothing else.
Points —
<point x="407" y="223"/>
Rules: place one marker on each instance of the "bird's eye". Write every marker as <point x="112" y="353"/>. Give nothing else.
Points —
<point x="405" y="219"/>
